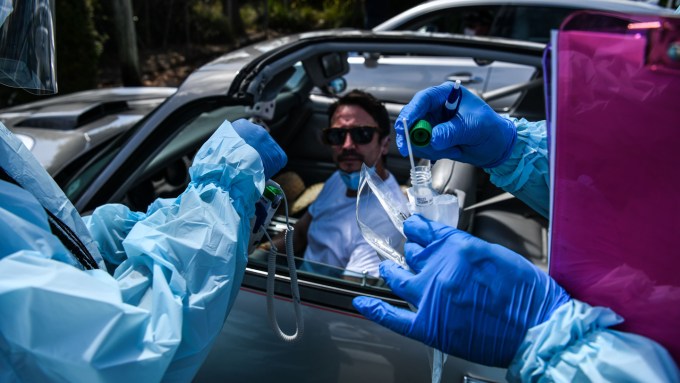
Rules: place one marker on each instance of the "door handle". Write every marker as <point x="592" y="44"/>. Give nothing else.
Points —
<point x="465" y="78"/>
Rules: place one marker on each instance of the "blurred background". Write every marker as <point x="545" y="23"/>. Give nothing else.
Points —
<point x="108" y="43"/>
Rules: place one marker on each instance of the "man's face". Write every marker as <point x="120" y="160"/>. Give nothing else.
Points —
<point x="350" y="155"/>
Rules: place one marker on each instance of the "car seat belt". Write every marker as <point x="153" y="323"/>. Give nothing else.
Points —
<point x="62" y="231"/>
<point x="499" y="198"/>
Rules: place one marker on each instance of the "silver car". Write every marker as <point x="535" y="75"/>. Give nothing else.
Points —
<point x="288" y="84"/>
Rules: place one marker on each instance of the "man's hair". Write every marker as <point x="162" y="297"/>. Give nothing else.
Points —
<point x="367" y="102"/>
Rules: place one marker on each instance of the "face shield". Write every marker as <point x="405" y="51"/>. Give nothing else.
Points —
<point x="27" y="46"/>
<point x="614" y="162"/>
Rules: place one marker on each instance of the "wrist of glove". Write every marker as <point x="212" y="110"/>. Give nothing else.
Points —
<point x="474" y="300"/>
<point x="476" y="134"/>
<point x="273" y="157"/>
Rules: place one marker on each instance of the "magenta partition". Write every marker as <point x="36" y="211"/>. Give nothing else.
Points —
<point x="615" y="219"/>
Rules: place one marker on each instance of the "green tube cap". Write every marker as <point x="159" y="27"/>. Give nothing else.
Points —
<point x="421" y="133"/>
<point x="271" y="192"/>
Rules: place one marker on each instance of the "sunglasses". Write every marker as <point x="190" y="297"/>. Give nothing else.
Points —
<point x="360" y="135"/>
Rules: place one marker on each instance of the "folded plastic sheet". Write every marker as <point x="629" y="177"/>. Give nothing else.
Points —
<point x="615" y="152"/>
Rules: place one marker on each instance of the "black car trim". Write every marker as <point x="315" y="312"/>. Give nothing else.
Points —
<point x="246" y="82"/>
<point x="317" y="290"/>
<point x="62" y="231"/>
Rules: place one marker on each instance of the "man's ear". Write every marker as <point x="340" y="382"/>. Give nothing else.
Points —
<point x="384" y="145"/>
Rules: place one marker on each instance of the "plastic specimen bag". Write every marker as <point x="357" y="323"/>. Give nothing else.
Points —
<point x="615" y="157"/>
<point x="381" y="215"/>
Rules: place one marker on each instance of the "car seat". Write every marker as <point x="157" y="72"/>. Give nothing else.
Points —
<point x="496" y="217"/>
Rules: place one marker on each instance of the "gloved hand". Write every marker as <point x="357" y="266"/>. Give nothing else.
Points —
<point x="476" y="135"/>
<point x="474" y="300"/>
<point x="273" y="157"/>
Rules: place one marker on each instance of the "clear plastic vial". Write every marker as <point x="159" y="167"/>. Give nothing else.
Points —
<point x="426" y="201"/>
<point x="421" y="193"/>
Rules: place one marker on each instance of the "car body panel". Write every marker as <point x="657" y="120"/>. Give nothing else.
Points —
<point x="63" y="128"/>
<point x="337" y="346"/>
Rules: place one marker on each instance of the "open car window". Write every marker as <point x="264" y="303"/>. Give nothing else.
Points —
<point x="391" y="69"/>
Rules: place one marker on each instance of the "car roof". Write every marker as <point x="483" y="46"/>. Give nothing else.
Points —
<point x="600" y="5"/>
<point x="247" y="71"/>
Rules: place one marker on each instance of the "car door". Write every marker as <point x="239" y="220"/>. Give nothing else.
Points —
<point x="337" y="344"/>
<point x="478" y="75"/>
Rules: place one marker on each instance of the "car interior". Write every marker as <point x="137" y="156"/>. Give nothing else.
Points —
<point x="291" y="101"/>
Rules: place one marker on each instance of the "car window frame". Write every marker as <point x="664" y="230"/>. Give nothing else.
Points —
<point x="157" y="129"/>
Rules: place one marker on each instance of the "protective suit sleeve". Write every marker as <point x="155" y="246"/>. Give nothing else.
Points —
<point x="159" y="314"/>
<point x="109" y="225"/>
<point x="526" y="173"/>
<point x="574" y="345"/>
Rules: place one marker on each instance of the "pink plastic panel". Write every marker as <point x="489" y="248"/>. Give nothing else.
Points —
<point x="615" y="235"/>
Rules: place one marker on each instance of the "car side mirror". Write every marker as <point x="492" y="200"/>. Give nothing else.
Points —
<point x="322" y="69"/>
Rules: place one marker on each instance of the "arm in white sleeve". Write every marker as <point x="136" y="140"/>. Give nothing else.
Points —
<point x="158" y="316"/>
<point x="525" y="173"/>
<point x="575" y="345"/>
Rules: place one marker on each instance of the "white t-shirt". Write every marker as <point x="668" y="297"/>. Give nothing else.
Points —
<point x="334" y="237"/>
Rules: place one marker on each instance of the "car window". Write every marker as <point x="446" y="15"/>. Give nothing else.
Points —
<point x="159" y="168"/>
<point x="193" y="134"/>
<point x="420" y="72"/>
<point x="75" y="187"/>
<point x="327" y="273"/>
<point x="459" y="20"/>
<point x="166" y="172"/>
<point x="527" y="23"/>
<point x="296" y="79"/>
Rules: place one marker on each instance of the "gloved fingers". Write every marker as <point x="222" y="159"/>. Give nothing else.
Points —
<point x="412" y="248"/>
<point x="425" y="104"/>
<point x="415" y="255"/>
<point x="398" y="279"/>
<point x="247" y="129"/>
<point x="273" y="157"/>
<point x="400" y="139"/>
<point x="448" y="134"/>
<point x="425" y="101"/>
<point x="396" y="319"/>
<point x="277" y="158"/>
<point x="427" y="151"/>
<point x="422" y="231"/>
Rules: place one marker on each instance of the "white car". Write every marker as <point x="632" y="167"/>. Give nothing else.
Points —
<point x="525" y="20"/>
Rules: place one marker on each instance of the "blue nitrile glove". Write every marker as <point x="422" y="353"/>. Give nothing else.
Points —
<point x="476" y="135"/>
<point x="474" y="300"/>
<point x="273" y="157"/>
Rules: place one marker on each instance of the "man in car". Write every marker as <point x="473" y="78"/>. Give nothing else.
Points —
<point x="359" y="132"/>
